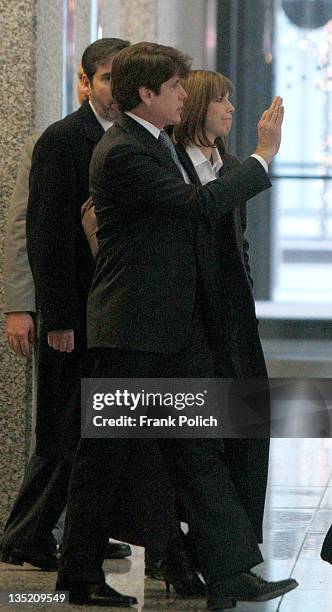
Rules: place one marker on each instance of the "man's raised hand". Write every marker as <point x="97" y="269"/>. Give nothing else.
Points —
<point x="269" y="130"/>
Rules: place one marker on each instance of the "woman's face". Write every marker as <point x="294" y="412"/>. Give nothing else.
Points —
<point x="218" y="121"/>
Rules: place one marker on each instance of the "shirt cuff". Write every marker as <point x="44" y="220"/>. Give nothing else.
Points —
<point x="261" y="161"/>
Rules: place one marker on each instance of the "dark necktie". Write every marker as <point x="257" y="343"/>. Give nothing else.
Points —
<point x="165" y="140"/>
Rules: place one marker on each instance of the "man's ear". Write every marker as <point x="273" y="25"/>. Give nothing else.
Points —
<point x="86" y="84"/>
<point x="146" y="95"/>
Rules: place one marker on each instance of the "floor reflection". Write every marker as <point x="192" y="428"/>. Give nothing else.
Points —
<point x="298" y="513"/>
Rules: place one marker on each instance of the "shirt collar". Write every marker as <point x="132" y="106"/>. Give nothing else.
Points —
<point x="105" y="124"/>
<point x="198" y="158"/>
<point x="146" y="124"/>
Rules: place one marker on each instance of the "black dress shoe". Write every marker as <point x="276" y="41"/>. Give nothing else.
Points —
<point x="95" y="595"/>
<point x="250" y="587"/>
<point x="117" y="550"/>
<point x="48" y="562"/>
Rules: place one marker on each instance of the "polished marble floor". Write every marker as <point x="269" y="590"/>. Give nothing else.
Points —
<point x="298" y="513"/>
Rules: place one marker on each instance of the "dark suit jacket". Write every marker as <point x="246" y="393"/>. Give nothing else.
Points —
<point x="144" y="288"/>
<point x="59" y="255"/>
<point x="62" y="267"/>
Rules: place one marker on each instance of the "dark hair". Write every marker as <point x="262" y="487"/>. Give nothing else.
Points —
<point x="144" y="64"/>
<point x="99" y="52"/>
<point x="202" y="87"/>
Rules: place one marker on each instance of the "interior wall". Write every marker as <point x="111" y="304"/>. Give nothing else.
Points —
<point x="190" y="26"/>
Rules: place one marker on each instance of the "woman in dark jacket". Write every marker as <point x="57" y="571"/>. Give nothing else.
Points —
<point x="225" y="280"/>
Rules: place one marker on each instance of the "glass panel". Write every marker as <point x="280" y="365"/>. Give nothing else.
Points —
<point x="303" y="168"/>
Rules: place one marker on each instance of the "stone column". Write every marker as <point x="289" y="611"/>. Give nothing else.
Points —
<point x="17" y="96"/>
<point x="31" y="96"/>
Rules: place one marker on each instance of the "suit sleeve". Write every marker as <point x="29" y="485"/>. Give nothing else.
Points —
<point x="231" y="162"/>
<point x="246" y="258"/>
<point x="139" y="183"/>
<point x="51" y="218"/>
<point x="19" y="288"/>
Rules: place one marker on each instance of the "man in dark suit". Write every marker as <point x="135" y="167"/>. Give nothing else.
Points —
<point x="145" y="321"/>
<point x="62" y="267"/>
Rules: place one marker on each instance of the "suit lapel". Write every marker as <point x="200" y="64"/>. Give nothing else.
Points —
<point x="188" y="165"/>
<point x="135" y="129"/>
<point x="91" y="127"/>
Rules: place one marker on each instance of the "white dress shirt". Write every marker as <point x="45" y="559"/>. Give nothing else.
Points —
<point x="146" y="124"/>
<point x="206" y="170"/>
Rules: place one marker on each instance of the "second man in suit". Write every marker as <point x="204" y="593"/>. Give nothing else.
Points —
<point x="62" y="267"/>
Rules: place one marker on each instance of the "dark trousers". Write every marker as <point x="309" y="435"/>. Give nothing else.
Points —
<point x="221" y="529"/>
<point x="40" y="502"/>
